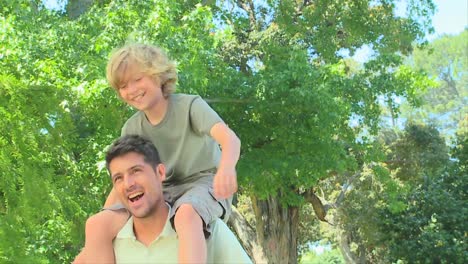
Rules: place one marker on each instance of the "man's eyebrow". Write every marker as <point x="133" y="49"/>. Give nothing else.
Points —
<point x="129" y="169"/>
<point x="113" y="176"/>
<point x="135" y="166"/>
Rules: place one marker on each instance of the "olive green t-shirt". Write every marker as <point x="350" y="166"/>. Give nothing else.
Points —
<point x="182" y="137"/>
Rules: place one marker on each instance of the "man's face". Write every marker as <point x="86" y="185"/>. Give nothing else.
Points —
<point x="137" y="184"/>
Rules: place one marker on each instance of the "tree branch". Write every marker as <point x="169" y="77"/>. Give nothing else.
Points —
<point x="248" y="6"/>
<point x="319" y="209"/>
<point x="340" y="197"/>
<point x="299" y="9"/>
<point x="247" y="236"/>
<point x="228" y="100"/>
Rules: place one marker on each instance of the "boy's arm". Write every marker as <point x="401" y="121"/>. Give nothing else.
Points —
<point x="225" y="180"/>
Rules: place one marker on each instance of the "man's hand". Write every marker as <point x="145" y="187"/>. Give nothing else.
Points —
<point x="225" y="183"/>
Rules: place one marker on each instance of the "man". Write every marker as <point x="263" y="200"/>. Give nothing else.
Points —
<point x="148" y="236"/>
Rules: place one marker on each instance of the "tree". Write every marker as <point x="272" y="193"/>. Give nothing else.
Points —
<point x="47" y="156"/>
<point x="272" y="69"/>
<point x="286" y="53"/>
<point x="409" y="209"/>
<point x="432" y="227"/>
<point x="445" y="105"/>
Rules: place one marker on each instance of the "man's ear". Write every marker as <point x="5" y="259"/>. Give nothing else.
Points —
<point x="161" y="171"/>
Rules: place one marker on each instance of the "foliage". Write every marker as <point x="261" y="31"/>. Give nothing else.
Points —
<point x="328" y="256"/>
<point x="445" y="105"/>
<point x="432" y="228"/>
<point x="272" y="69"/>
<point x="411" y="210"/>
<point x="35" y="172"/>
<point x="420" y="153"/>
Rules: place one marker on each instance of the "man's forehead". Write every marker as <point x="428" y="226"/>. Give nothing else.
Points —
<point x="126" y="162"/>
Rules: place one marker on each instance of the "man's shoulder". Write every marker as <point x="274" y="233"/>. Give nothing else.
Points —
<point x="221" y="230"/>
<point x="223" y="246"/>
<point x="126" y="232"/>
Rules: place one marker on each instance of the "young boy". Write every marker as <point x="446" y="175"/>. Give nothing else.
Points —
<point x="201" y="178"/>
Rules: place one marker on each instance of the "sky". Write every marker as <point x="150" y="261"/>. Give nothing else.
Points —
<point x="451" y="16"/>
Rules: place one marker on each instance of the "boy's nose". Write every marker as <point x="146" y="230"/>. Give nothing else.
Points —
<point x="131" y="87"/>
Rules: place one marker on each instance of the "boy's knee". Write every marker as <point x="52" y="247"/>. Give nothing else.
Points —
<point x="186" y="214"/>
<point x="96" y="224"/>
<point x="105" y="223"/>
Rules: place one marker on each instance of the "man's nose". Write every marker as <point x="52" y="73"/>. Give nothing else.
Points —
<point x="129" y="182"/>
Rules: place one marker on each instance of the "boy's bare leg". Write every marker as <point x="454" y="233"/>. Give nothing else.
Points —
<point x="101" y="229"/>
<point x="189" y="228"/>
<point x="111" y="199"/>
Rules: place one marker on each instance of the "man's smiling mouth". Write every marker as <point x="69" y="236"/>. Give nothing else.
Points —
<point x="135" y="196"/>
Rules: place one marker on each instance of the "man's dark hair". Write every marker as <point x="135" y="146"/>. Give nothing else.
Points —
<point x="133" y="143"/>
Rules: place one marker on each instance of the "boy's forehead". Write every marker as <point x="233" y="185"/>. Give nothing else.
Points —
<point x="127" y="70"/>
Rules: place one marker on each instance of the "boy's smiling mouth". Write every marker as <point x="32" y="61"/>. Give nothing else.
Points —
<point x="138" y="96"/>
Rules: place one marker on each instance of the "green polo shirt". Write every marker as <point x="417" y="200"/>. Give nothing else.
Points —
<point x="223" y="246"/>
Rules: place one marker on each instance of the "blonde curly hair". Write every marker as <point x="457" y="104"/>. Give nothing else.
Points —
<point x="150" y="60"/>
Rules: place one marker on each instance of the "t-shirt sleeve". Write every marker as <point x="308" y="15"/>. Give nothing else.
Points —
<point x="202" y="116"/>
<point x="124" y="129"/>
<point x="223" y="246"/>
<point x="132" y="125"/>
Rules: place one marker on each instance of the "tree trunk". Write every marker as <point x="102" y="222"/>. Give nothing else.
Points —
<point x="345" y="248"/>
<point x="277" y="229"/>
<point x="247" y="236"/>
<point x="76" y="8"/>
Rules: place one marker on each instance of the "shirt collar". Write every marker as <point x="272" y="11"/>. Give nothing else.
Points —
<point x="127" y="229"/>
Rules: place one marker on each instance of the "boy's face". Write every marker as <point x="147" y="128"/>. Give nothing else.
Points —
<point x="139" y="89"/>
<point x="138" y="185"/>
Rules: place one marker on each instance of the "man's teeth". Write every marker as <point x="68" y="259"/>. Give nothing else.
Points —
<point x="135" y="195"/>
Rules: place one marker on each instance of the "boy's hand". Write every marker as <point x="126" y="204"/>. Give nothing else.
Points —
<point x="225" y="183"/>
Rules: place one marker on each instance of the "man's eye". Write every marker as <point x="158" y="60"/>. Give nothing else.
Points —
<point x="118" y="178"/>
<point x="136" y="170"/>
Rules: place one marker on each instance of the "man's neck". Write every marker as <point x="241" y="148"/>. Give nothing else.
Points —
<point x="149" y="228"/>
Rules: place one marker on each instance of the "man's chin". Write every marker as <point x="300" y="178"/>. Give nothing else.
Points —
<point x="139" y="213"/>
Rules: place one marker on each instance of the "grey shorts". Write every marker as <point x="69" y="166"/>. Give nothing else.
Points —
<point x="200" y="195"/>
